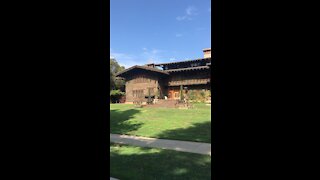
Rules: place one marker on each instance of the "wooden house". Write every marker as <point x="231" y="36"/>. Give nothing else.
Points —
<point x="165" y="79"/>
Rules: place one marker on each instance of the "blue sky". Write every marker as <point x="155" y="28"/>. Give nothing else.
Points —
<point x="145" y="31"/>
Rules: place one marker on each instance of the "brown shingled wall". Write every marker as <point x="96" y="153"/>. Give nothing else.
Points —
<point x="140" y="81"/>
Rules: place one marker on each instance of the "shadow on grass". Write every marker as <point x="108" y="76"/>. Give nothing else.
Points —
<point x="119" y="121"/>
<point x="135" y="163"/>
<point x="199" y="132"/>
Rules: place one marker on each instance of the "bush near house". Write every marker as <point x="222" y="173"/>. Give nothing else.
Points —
<point x="199" y="96"/>
<point x="116" y="95"/>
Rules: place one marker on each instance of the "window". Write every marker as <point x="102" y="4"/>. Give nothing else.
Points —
<point x="138" y="93"/>
<point x="141" y="93"/>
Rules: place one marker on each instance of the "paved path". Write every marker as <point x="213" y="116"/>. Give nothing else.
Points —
<point x="185" y="146"/>
<point x="111" y="178"/>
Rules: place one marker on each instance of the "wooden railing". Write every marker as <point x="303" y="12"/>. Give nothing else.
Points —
<point x="189" y="82"/>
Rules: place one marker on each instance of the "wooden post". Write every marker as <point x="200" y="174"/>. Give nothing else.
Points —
<point x="149" y="96"/>
<point x="181" y="93"/>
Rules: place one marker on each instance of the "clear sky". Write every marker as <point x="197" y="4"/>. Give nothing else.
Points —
<point x="145" y="31"/>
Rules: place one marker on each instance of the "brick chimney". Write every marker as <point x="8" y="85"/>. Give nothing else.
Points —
<point x="207" y="53"/>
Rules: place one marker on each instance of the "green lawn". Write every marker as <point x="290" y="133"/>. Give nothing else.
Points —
<point x="166" y="123"/>
<point x="130" y="162"/>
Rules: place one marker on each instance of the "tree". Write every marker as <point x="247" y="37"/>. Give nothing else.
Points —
<point x="114" y="69"/>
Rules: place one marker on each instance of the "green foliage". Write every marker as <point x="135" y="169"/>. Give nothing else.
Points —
<point x="199" y="95"/>
<point x="115" y="95"/>
<point x="192" y="95"/>
<point x="208" y="94"/>
<point x="202" y="96"/>
<point x="114" y="69"/>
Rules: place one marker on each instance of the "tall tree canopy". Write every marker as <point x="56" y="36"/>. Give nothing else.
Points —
<point x="115" y="68"/>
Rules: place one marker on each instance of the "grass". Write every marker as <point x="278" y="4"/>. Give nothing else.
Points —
<point x="166" y="123"/>
<point x="136" y="163"/>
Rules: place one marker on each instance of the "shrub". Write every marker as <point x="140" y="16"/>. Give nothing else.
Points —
<point x="202" y="96"/>
<point x="199" y="95"/>
<point x="208" y="95"/>
<point x="115" y="95"/>
<point x="192" y="95"/>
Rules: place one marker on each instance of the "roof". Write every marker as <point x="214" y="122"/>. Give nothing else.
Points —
<point x="141" y="67"/>
<point x="200" y="59"/>
<point x="187" y="69"/>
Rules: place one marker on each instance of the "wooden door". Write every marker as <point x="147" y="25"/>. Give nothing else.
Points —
<point x="171" y="94"/>
<point x="174" y="94"/>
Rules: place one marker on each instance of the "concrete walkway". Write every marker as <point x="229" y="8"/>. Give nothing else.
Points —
<point x="184" y="146"/>
<point x="111" y="178"/>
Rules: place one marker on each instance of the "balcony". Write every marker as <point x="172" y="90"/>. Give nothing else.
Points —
<point x="188" y="82"/>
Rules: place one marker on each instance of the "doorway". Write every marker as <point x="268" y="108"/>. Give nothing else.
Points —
<point x="174" y="94"/>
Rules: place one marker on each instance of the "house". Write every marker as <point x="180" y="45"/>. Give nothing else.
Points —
<point x="165" y="79"/>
